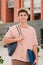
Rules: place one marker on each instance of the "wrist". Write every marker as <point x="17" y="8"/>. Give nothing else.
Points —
<point x="36" y="58"/>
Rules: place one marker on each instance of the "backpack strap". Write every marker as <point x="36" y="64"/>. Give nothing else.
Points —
<point x="19" y="30"/>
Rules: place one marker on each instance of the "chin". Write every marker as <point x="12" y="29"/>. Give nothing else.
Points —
<point x="23" y="21"/>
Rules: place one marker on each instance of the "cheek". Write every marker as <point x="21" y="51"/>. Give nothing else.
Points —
<point x="26" y="17"/>
<point x="19" y="18"/>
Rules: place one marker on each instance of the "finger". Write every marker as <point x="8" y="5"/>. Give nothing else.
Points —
<point x="34" y="63"/>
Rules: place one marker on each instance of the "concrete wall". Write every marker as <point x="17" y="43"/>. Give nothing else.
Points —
<point x="36" y="24"/>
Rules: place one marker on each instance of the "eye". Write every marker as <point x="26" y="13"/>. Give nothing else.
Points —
<point x="24" y="14"/>
<point x="21" y="15"/>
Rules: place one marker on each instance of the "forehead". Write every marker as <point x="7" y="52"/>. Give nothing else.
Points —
<point x="22" y="13"/>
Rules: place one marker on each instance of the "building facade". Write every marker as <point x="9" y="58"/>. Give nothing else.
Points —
<point x="8" y="9"/>
<point x="0" y="9"/>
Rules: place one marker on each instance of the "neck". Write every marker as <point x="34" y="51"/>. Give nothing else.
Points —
<point x="23" y="24"/>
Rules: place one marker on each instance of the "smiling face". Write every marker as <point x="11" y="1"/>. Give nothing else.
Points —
<point x="22" y="17"/>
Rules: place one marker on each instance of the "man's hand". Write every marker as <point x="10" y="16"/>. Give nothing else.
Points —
<point x="36" y="62"/>
<point x="21" y="37"/>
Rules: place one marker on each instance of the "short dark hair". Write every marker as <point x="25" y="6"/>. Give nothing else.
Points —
<point x="22" y="10"/>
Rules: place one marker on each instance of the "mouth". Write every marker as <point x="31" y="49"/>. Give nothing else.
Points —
<point x="23" y="18"/>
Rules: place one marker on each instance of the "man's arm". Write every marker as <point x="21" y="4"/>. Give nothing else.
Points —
<point x="36" y="55"/>
<point x="10" y="40"/>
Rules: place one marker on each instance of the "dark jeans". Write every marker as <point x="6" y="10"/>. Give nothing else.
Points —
<point x="17" y="62"/>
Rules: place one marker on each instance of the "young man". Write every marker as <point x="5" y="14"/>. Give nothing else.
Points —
<point x="25" y="41"/>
